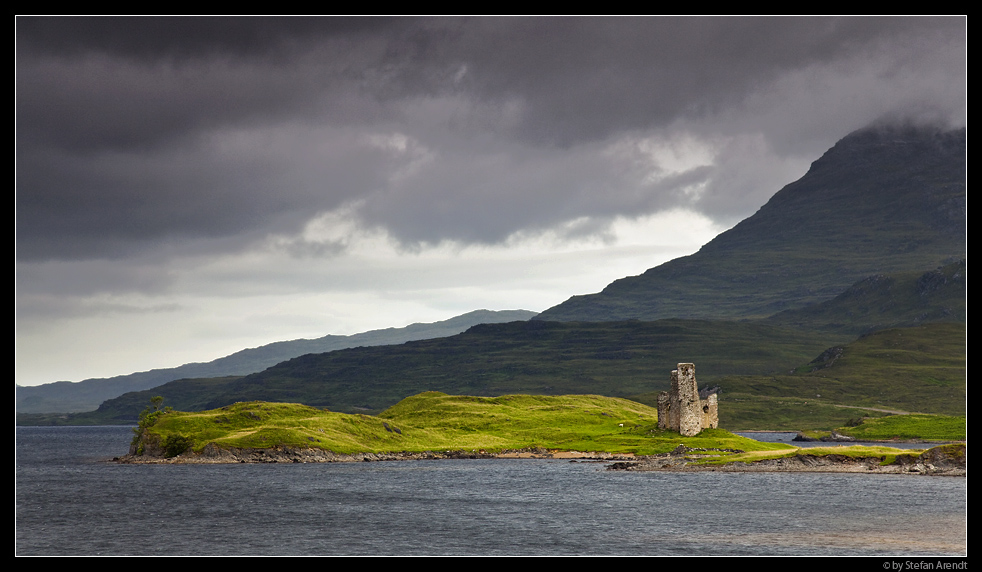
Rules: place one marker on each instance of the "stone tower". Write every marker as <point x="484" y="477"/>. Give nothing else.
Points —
<point x="680" y="409"/>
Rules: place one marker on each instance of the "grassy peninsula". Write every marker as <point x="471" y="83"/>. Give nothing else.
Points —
<point x="432" y="421"/>
<point x="437" y="425"/>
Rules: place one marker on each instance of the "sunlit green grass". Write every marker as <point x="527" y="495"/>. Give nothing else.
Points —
<point x="435" y="421"/>
<point x="887" y="455"/>
<point x="929" y="427"/>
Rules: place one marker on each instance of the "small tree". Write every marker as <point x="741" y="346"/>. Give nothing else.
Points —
<point x="148" y="417"/>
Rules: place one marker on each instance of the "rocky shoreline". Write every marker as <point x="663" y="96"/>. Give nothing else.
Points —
<point x="212" y="454"/>
<point x="949" y="460"/>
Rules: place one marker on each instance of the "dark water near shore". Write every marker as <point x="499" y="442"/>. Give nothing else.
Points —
<point x="71" y="501"/>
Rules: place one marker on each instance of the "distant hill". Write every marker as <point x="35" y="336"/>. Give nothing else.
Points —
<point x="616" y="359"/>
<point x="882" y="200"/>
<point x="87" y="395"/>
<point x="623" y="359"/>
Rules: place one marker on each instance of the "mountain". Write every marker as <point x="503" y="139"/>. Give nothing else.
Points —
<point x="882" y="200"/>
<point x="66" y="397"/>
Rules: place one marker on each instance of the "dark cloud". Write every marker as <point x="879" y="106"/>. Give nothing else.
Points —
<point x="134" y="131"/>
<point x="584" y="78"/>
<point x="153" y="80"/>
<point x="156" y="38"/>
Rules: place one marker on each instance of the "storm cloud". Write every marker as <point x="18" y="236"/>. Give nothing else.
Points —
<point x="136" y="130"/>
<point x="150" y="146"/>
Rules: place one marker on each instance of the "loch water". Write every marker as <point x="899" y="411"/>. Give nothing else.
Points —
<point x="72" y="500"/>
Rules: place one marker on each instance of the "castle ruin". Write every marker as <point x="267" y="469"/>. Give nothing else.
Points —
<point x="680" y="409"/>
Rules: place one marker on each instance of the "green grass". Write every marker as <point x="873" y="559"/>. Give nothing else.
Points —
<point x="435" y="421"/>
<point x="749" y="411"/>
<point x="928" y="427"/>
<point x="887" y="455"/>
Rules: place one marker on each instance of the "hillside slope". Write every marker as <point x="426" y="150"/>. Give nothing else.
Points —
<point x="915" y="369"/>
<point x="887" y="301"/>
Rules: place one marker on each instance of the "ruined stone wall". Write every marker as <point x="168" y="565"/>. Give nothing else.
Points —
<point x="710" y="412"/>
<point x="680" y="408"/>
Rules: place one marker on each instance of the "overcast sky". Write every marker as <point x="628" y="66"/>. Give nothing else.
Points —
<point x="190" y="187"/>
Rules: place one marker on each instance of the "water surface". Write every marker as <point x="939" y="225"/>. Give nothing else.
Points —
<point x="71" y="501"/>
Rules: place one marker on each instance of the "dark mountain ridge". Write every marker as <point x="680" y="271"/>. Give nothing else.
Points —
<point x="882" y="200"/>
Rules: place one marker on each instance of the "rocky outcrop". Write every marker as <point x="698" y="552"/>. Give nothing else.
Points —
<point x="836" y="437"/>
<point x="943" y="460"/>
